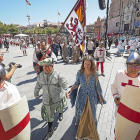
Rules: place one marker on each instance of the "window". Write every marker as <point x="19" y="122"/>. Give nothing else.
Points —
<point x="127" y="17"/>
<point x="122" y="4"/>
<point x="117" y="24"/>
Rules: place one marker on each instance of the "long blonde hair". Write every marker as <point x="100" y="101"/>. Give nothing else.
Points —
<point x="93" y="66"/>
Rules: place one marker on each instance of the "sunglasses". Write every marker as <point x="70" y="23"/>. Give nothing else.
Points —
<point x="136" y="67"/>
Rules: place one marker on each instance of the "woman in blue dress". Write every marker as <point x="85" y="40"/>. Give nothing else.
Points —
<point x="89" y="88"/>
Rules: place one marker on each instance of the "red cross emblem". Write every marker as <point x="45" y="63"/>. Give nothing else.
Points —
<point x="100" y="51"/>
<point x="129" y="83"/>
<point x="7" y="135"/>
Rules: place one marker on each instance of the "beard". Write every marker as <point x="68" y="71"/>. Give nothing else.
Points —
<point x="43" y="51"/>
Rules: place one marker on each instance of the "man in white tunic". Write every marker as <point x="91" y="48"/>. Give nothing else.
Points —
<point x="130" y="76"/>
<point x="100" y="54"/>
<point x="133" y="43"/>
<point x="122" y="43"/>
<point x="8" y="92"/>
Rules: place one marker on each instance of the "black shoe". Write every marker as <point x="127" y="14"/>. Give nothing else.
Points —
<point x="49" y="134"/>
<point x="60" y="116"/>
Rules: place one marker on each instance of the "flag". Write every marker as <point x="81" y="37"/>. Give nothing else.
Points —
<point x="76" y="23"/>
<point x="58" y="13"/>
<point x="27" y="2"/>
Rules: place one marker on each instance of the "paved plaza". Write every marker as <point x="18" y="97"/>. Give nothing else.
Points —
<point x="25" y="80"/>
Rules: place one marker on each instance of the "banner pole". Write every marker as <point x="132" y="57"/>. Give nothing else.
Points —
<point x="62" y="25"/>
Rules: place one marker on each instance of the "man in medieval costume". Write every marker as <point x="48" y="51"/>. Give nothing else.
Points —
<point x="130" y="76"/>
<point x="41" y="55"/>
<point x="54" y="86"/>
<point x="133" y="43"/>
<point x="66" y="51"/>
<point x="100" y="54"/>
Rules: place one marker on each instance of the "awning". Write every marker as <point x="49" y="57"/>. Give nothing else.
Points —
<point x="21" y="35"/>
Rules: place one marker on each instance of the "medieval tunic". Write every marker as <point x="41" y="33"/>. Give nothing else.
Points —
<point x="133" y="44"/>
<point x="75" y="50"/>
<point x="66" y="51"/>
<point x="35" y="59"/>
<point x="38" y="56"/>
<point x="121" y="80"/>
<point x="23" y="46"/>
<point x="53" y="86"/>
<point x="121" y="45"/>
<point x="8" y="95"/>
<point x="101" y="54"/>
<point x="85" y="89"/>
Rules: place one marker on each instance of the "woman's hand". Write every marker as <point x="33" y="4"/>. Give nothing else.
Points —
<point x="101" y="100"/>
<point x="68" y="93"/>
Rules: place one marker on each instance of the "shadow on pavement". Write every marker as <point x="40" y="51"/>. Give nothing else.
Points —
<point x="27" y="81"/>
<point x="34" y="102"/>
<point x="71" y="132"/>
<point x="31" y="108"/>
<point x="125" y="57"/>
<point x="32" y="72"/>
<point x="39" y="134"/>
<point x="17" y="56"/>
<point x="59" y="62"/>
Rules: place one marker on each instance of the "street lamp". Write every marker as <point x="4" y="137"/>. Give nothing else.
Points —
<point x="46" y="25"/>
<point x="106" y="23"/>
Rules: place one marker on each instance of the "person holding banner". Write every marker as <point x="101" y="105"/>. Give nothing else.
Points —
<point x="41" y="55"/>
<point x="130" y="76"/>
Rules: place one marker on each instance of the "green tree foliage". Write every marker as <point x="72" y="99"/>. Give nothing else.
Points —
<point x="12" y="29"/>
<point x="8" y="29"/>
<point x="38" y="30"/>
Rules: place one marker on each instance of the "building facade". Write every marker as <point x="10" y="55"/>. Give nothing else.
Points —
<point x="103" y="27"/>
<point x="90" y="29"/>
<point x="122" y="16"/>
<point x="20" y="27"/>
<point x="98" y="26"/>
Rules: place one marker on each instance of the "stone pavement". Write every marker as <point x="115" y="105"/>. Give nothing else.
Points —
<point x="25" y="80"/>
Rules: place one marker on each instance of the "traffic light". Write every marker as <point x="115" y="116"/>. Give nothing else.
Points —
<point x="102" y="4"/>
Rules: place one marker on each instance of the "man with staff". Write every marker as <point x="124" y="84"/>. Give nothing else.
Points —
<point x="41" y="55"/>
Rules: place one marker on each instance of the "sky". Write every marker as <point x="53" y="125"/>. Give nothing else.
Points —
<point x="14" y="11"/>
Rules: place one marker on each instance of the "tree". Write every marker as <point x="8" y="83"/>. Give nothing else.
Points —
<point x="6" y="29"/>
<point x="1" y="28"/>
<point x="13" y="29"/>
